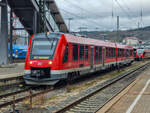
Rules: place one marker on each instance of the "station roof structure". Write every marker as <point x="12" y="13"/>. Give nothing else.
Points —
<point x="25" y="9"/>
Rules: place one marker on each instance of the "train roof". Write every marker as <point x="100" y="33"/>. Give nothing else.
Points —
<point x="82" y="40"/>
<point x="95" y="42"/>
<point x="88" y="41"/>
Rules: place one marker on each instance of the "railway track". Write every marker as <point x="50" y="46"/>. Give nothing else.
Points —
<point x="7" y="99"/>
<point x="92" y="101"/>
<point x="8" y="83"/>
<point x="18" y="96"/>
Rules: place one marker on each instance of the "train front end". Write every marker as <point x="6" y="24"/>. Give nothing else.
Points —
<point x="139" y="54"/>
<point x="40" y="59"/>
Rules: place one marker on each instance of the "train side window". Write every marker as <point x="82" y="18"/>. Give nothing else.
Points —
<point x="81" y="52"/>
<point x="96" y="54"/>
<point x="114" y="52"/>
<point x="65" y="59"/>
<point x="127" y="53"/>
<point x="86" y="52"/>
<point x="110" y="52"/>
<point x="107" y="52"/>
<point x="100" y="53"/>
<point x="75" y="52"/>
<point x="131" y="52"/>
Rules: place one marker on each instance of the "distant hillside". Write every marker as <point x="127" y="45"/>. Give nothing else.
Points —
<point x="141" y="33"/>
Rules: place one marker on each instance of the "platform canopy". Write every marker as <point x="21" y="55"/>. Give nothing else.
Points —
<point x="28" y="12"/>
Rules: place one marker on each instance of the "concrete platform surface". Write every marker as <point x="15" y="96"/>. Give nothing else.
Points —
<point x="134" y="99"/>
<point x="12" y="71"/>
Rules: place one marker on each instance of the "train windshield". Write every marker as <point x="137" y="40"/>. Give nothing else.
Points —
<point x="43" y="47"/>
<point x="140" y="51"/>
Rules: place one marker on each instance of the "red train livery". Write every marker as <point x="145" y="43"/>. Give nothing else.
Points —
<point x="142" y="54"/>
<point x="57" y="56"/>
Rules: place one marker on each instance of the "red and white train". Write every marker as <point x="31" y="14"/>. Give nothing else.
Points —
<point x="142" y="54"/>
<point x="58" y="56"/>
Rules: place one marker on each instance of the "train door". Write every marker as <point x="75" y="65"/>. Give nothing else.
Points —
<point x="92" y="56"/>
<point x="103" y="58"/>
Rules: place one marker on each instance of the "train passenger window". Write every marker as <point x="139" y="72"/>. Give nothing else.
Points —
<point x="131" y="52"/>
<point x="75" y="52"/>
<point x="107" y="52"/>
<point x="110" y="50"/>
<point x="118" y="52"/>
<point x="86" y="52"/>
<point x="65" y="59"/>
<point x="114" y="52"/>
<point x="96" y="54"/>
<point x="127" y="53"/>
<point x="81" y="52"/>
<point x="100" y="54"/>
<point x="121" y="53"/>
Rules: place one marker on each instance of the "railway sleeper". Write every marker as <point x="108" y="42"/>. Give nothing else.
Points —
<point x="81" y="110"/>
<point x="89" y="106"/>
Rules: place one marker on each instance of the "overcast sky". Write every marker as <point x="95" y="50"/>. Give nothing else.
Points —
<point x="97" y="14"/>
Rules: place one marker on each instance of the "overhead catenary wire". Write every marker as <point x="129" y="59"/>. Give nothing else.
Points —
<point x="81" y="17"/>
<point x="123" y="9"/>
<point x="83" y="9"/>
<point x="87" y="12"/>
<point x="126" y="12"/>
<point x="75" y="15"/>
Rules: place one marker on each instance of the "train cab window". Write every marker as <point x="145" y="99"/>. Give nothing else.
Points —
<point x="81" y="52"/>
<point x="65" y="59"/>
<point x="86" y="52"/>
<point x="100" y="53"/>
<point x="96" y="54"/>
<point x="75" y="52"/>
<point x="43" y="47"/>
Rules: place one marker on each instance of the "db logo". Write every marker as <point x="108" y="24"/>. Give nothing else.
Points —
<point x="39" y="63"/>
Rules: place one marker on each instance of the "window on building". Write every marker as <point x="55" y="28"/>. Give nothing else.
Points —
<point x="81" y="52"/>
<point x="75" y="52"/>
<point x="65" y="59"/>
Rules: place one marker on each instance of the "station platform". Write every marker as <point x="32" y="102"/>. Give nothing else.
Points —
<point x="15" y="70"/>
<point x="133" y="99"/>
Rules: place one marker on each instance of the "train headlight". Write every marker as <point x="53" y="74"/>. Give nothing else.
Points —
<point x="31" y="62"/>
<point x="50" y="62"/>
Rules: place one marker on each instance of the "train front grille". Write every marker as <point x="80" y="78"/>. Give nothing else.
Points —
<point x="40" y="72"/>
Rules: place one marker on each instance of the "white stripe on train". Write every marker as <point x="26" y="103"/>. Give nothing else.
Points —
<point x="81" y="68"/>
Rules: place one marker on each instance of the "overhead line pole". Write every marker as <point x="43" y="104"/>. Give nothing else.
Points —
<point x="11" y="36"/>
<point x="117" y="28"/>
